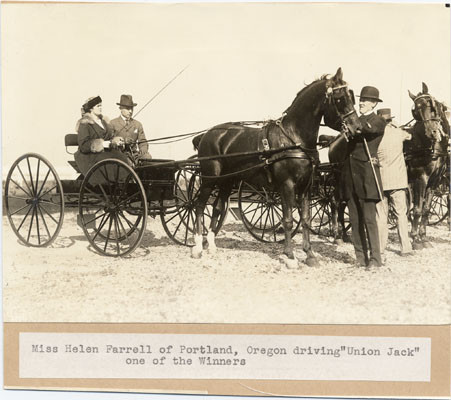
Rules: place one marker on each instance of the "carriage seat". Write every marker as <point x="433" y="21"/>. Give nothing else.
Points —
<point x="71" y="140"/>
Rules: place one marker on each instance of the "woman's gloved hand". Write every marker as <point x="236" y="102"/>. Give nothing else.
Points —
<point x="97" y="146"/>
<point x="116" y="142"/>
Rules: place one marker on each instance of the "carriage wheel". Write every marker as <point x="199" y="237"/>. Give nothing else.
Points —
<point x="439" y="209"/>
<point x="320" y="205"/>
<point x="113" y="208"/>
<point x="34" y="200"/>
<point x="179" y="221"/>
<point x="261" y="213"/>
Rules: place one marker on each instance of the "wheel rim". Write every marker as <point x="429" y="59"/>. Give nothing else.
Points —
<point x="261" y="213"/>
<point x="179" y="221"/>
<point x="439" y="209"/>
<point x="113" y="208"/>
<point x="34" y="200"/>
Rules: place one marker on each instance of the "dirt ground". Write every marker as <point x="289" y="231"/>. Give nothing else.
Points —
<point x="245" y="282"/>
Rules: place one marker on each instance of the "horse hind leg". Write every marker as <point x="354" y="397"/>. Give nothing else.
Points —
<point x="218" y="208"/>
<point x="311" y="260"/>
<point x="204" y="194"/>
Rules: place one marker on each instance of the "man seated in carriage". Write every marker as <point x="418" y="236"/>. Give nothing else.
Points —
<point x="130" y="129"/>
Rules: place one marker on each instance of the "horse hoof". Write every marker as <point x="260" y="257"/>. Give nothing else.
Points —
<point x="339" y="242"/>
<point x="196" y="254"/>
<point x="427" y="245"/>
<point x="291" y="263"/>
<point x="417" y="246"/>
<point x="312" y="262"/>
<point x="347" y="239"/>
<point x="212" y="250"/>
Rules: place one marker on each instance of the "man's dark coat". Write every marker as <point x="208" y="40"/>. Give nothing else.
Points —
<point x="357" y="175"/>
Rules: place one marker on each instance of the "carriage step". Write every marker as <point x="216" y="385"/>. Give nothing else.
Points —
<point x="88" y="217"/>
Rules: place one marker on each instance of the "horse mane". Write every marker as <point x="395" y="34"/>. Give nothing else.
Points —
<point x="323" y="77"/>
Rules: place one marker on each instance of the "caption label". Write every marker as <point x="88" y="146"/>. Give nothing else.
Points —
<point x="200" y="356"/>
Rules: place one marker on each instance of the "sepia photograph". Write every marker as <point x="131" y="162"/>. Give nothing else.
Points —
<point x="226" y="198"/>
<point x="226" y="163"/>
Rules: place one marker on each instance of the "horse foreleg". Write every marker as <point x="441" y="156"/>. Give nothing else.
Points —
<point x="311" y="260"/>
<point x="419" y="188"/>
<point x="425" y="218"/>
<point x="334" y="221"/>
<point x="287" y="197"/>
<point x="341" y="222"/>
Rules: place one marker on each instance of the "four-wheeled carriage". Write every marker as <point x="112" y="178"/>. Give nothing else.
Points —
<point x="113" y="201"/>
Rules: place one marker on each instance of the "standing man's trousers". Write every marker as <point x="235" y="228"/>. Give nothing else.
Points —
<point x="365" y="234"/>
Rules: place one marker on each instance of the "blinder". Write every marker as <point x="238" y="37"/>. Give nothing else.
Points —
<point x="434" y="115"/>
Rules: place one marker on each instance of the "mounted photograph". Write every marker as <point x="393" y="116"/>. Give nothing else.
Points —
<point x="233" y="163"/>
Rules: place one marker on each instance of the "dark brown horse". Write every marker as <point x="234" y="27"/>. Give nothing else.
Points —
<point x="288" y="172"/>
<point x="426" y="156"/>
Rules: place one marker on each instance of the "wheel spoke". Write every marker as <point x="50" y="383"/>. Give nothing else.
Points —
<point x="264" y="226"/>
<point x="31" y="177"/>
<point x="117" y="234"/>
<point x="274" y="225"/>
<point x="108" y="234"/>
<point x="125" y="232"/>
<point x="43" y="183"/>
<point x="47" y="191"/>
<point x="37" y="176"/>
<point x="37" y="226"/>
<point x="187" y="226"/>
<point x="50" y="215"/>
<point x="20" y="209"/>
<point x="45" y="224"/>
<point x="21" y="188"/>
<point x="24" y="218"/>
<point x="179" y="211"/>
<point x="31" y="224"/>
<point x="181" y="220"/>
<point x="102" y="223"/>
<point x="26" y="183"/>
<point x="94" y="219"/>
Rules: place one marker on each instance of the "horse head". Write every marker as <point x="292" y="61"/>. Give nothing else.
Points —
<point x="339" y="105"/>
<point x="428" y="111"/>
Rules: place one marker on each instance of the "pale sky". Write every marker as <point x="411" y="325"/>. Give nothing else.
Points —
<point x="246" y="62"/>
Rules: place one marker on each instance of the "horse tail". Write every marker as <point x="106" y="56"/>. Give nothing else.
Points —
<point x="196" y="141"/>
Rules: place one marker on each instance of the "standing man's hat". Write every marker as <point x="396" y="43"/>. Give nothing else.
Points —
<point x="370" y="92"/>
<point x="126" y="101"/>
<point x="385" y="113"/>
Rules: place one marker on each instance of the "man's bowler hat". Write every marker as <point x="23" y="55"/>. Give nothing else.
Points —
<point x="126" y="101"/>
<point x="385" y="113"/>
<point x="370" y="92"/>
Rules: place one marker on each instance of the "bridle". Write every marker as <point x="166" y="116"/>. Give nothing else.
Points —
<point x="431" y="104"/>
<point x="331" y="99"/>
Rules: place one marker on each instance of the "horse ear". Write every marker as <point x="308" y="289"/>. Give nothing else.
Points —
<point x="425" y="88"/>
<point x="339" y="75"/>
<point x="412" y="96"/>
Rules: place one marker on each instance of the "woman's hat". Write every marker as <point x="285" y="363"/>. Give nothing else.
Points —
<point x="370" y="92"/>
<point x="91" y="102"/>
<point x="385" y="113"/>
<point x="126" y="101"/>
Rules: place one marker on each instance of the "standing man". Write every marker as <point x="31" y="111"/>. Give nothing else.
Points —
<point x="130" y="129"/>
<point x="361" y="181"/>
<point x="394" y="180"/>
